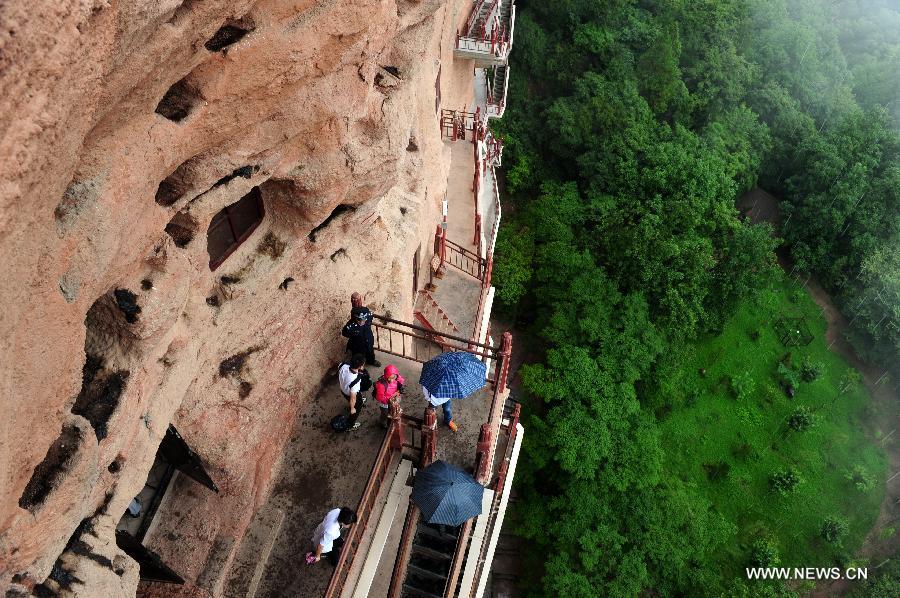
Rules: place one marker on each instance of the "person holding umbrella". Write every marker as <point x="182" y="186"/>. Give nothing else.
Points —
<point x="446" y="495"/>
<point x="451" y="375"/>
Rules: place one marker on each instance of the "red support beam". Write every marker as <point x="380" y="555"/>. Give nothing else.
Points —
<point x="505" y="353"/>
<point x="482" y="454"/>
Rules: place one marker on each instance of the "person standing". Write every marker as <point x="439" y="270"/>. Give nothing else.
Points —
<point x="327" y="539"/>
<point x="358" y="331"/>
<point x="445" y="405"/>
<point x="353" y="380"/>
<point x="387" y="387"/>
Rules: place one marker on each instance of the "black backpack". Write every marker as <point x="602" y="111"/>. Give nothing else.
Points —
<point x="340" y="423"/>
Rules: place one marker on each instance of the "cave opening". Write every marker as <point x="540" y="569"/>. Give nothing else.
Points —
<point x="178" y="101"/>
<point x="101" y="389"/>
<point x="173" y="458"/>
<point x="174" y="186"/>
<point x="182" y="229"/>
<point x="228" y="34"/>
<point x="50" y="471"/>
<point x="102" y="381"/>
<point x="341" y="209"/>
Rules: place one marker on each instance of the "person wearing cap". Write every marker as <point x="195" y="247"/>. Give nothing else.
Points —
<point x="387" y="387"/>
<point x="358" y="331"/>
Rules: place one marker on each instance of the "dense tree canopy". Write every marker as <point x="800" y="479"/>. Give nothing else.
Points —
<point x="631" y="129"/>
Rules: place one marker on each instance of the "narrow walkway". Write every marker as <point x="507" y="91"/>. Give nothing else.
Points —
<point x="320" y="470"/>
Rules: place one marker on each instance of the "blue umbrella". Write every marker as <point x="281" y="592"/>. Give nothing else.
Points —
<point x="453" y="375"/>
<point x="446" y="494"/>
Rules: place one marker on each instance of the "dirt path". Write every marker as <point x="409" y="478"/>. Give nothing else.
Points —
<point x="884" y="420"/>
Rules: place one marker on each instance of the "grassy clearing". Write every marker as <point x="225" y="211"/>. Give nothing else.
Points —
<point x="727" y="447"/>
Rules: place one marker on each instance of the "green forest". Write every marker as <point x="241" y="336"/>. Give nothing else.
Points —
<point x="673" y="439"/>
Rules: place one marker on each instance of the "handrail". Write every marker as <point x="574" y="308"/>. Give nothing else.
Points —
<point x="490" y="350"/>
<point x="463" y="250"/>
<point x="462" y="543"/>
<point x="465" y="260"/>
<point x="498" y="484"/>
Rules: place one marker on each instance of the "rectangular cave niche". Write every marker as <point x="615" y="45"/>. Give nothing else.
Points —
<point x="179" y="101"/>
<point x="174" y="457"/>
<point x="233" y="225"/>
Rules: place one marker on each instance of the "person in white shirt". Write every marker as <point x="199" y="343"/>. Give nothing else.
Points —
<point x="445" y="405"/>
<point x="352" y="379"/>
<point x="327" y="537"/>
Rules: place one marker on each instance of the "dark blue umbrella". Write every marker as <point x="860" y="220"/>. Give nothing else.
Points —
<point x="446" y="494"/>
<point x="453" y="375"/>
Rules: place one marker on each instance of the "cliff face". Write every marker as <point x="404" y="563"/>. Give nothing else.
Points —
<point x="125" y="127"/>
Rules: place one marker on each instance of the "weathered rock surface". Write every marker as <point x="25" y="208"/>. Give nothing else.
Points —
<point x="124" y="128"/>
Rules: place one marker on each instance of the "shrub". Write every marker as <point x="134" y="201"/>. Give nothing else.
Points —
<point x="833" y="530"/>
<point x="785" y="481"/>
<point x="887" y="533"/>
<point x="810" y="370"/>
<point x="745" y="452"/>
<point x="850" y="378"/>
<point x="716" y="471"/>
<point x="764" y="553"/>
<point x="788" y="376"/>
<point x="860" y="478"/>
<point x="743" y="385"/>
<point x="801" y="419"/>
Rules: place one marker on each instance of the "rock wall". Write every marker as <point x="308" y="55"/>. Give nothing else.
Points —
<point x="125" y="126"/>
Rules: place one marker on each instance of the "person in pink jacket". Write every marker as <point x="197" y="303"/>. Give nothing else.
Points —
<point x="387" y="387"/>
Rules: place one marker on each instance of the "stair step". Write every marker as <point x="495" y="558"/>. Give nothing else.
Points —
<point x="414" y="570"/>
<point x="439" y="531"/>
<point x="425" y="584"/>
<point x="417" y="593"/>
<point x="440" y="545"/>
<point x="431" y="553"/>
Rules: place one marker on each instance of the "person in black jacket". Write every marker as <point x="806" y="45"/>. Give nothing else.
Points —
<point x="358" y="331"/>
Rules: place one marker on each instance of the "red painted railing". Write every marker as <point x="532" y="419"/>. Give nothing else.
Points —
<point x="464" y="260"/>
<point x="498" y="485"/>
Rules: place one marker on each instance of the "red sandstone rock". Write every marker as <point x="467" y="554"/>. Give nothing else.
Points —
<point x="104" y="189"/>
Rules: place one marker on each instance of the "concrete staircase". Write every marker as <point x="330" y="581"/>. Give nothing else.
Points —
<point x="499" y="84"/>
<point x="481" y="24"/>
<point x="430" y="315"/>
<point x="430" y="560"/>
